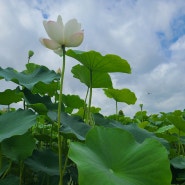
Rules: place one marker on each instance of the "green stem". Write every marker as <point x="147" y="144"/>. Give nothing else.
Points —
<point x="1" y="158"/>
<point x="66" y="160"/>
<point x="179" y="143"/>
<point x="141" y="106"/>
<point x="51" y="135"/>
<point x="117" y="111"/>
<point x="60" y="138"/>
<point x="116" y="108"/>
<point x="28" y="60"/>
<point x="7" y="170"/>
<point x="48" y="180"/>
<point x="43" y="179"/>
<point x="21" y="172"/>
<point x="8" y="108"/>
<point x="89" y="120"/>
<point x="85" y="108"/>
<point x="182" y="149"/>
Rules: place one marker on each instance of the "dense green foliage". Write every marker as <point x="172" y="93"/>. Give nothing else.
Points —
<point x="96" y="149"/>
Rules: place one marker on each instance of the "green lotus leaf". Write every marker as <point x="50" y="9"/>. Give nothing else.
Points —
<point x="40" y="104"/>
<point x="10" y="96"/>
<point x="99" y="79"/>
<point x="139" y="134"/>
<point x="18" y="147"/>
<point x="39" y="108"/>
<point x="30" y="67"/>
<point x="165" y="128"/>
<point x="42" y="88"/>
<point x="112" y="156"/>
<point x="143" y="124"/>
<point x="28" y="80"/>
<point x="5" y="163"/>
<point x="16" y="123"/>
<point x="74" y="127"/>
<point x="81" y="111"/>
<point x="10" y="179"/>
<point x="178" y="162"/>
<point x="73" y="101"/>
<point x="176" y="118"/>
<point x="94" y="61"/>
<point x="43" y="161"/>
<point x="121" y="95"/>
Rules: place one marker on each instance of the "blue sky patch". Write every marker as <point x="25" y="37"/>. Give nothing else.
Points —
<point x="165" y="42"/>
<point x="178" y="27"/>
<point x="43" y="8"/>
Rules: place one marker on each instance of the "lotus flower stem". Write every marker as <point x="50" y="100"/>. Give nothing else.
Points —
<point x="60" y="137"/>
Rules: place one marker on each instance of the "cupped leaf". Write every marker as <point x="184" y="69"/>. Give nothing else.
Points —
<point x="16" y="123"/>
<point x="19" y="147"/>
<point x="177" y="119"/>
<point x="10" y="96"/>
<point x="121" y="95"/>
<point x="50" y="89"/>
<point x="94" y="61"/>
<point x="99" y="79"/>
<point x="43" y="161"/>
<point x="81" y="112"/>
<point x="143" y="124"/>
<point x="40" y="104"/>
<point x="39" y="108"/>
<point x="72" y="101"/>
<point x="29" y="80"/>
<point x="112" y="156"/>
<point x="30" y="67"/>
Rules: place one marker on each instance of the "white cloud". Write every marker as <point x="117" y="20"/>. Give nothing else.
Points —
<point x="179" y="44"/>
<point x="129" y="28"/>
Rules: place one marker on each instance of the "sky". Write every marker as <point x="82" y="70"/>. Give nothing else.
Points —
<point x="149" y="34"/>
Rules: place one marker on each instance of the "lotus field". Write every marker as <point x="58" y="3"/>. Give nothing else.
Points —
<point x="62" y="139"/>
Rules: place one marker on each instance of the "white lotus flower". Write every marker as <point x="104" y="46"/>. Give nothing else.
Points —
<point x="68" y="35"/>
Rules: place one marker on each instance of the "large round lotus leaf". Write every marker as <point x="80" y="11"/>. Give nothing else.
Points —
<point x="99" y="79"/>
<point x="73" y="127"/>
<point x="177" y="119"/>
<point x="111" y="156"/>
<point x="18" y="147"/>
<point x="73" y="101"/>
<point x="29" y="80"/>
<point x="10" y="96"/>
<point x="40" y="104"/>
<point x="121" y="95"/>
<point x="43" y="161"/>
<point x="16" y="123"/>
<point x="94" y="61"/>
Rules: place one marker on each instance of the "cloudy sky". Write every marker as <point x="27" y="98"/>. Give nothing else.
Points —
<point x="149" y="34"/>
